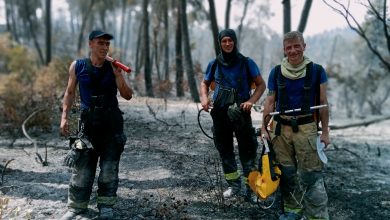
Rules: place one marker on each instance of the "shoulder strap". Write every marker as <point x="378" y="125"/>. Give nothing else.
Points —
<point x="307" y="85"/>
<point x="281" y="89"/>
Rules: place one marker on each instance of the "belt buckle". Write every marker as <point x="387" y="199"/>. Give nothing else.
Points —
<point x="294" y="124"/>
<point x="97" y="101"/>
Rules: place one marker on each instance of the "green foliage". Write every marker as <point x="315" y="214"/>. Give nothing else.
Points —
<point x="27" y="88"/>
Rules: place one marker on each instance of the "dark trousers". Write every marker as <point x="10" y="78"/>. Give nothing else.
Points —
<point x="223" y="130"/>
<point x="108" y="142"/>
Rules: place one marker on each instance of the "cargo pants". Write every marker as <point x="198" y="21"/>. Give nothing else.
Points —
<point x="302" y="182"/>
<point x="105" y="131"/>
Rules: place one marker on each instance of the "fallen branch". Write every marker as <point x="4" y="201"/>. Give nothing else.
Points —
<point x="345" y="149"/>
<point x="3" y="171"/>
<point x="151" y="111"/>
<point x="364" y="123"/>
<point x="38" y="158"/>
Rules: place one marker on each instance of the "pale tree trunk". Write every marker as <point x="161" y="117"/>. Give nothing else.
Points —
<point x="155" y="54"/>
<point x="166" y="40"/>
<point x="179" y="55"/>
<point x="227" y="13"/>
<point x="128" y="35"/>
<point x="48" y="31"/>
<point x="122" y="29"/>
<point x="11" y="21"/>
<point x="187" y="54"/>
<point x="147" y="69"/>
<point x="286" y="16"/>
<point x="139" y="54"/>
<point x="214" y="26"/>
<point x="304" y="16"/>
<point x="155" y="42"/>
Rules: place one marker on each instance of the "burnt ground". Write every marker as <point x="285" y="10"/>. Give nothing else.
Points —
<point x="171" y="170"/>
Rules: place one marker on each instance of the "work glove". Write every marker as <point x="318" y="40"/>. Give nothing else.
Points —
<point x="72" y="157"/>
<point x="234" y="113"/>
<point x="77" y="147"/>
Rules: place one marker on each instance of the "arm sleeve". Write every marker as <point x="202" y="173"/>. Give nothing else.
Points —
<point x="253" y="68"/>
<point x="323" y="75"/>
<point x="271" y="81"/>
<point x="208" y="76"/>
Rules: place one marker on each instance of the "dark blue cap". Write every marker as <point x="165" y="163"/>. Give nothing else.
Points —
<point x="98" y="33"/>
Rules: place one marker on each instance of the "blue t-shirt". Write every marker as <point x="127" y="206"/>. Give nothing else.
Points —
<point x="231" y="77"/>
<point x="294" y="88"/>
<point x="102" y="82"/>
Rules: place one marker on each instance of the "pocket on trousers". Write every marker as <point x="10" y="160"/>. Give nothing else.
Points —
<point x="312" y="160"/>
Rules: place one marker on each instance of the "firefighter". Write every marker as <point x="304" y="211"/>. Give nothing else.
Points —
<point x="233" y="75"/>
<point x="298" y="83"/>
<point x="101" y="125"/>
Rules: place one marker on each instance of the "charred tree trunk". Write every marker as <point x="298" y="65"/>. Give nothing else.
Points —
<point x="84" y="21"/>
<point x="227" y="13"/>
<point x="179" y="54"/>
<point x="286" y="16"/>
<point x="239" y="34"/>
<point x="31" y="25"/>
<point x="147" y="69"/>
<point x="48" y="31"/>
<point x="214" y="26"/>
<point x="187" y="54"/>
<point x="11" y="21"/>
<point x="304" y="16"/>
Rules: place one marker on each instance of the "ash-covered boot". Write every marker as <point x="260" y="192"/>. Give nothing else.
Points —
<point x="234" y="189"/>
<point x="106" y="212"/>
<point x="72" y="213"/>
<point x="250" y="196"/>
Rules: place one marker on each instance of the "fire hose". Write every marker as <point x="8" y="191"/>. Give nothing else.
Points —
<point x="118" y="64"/>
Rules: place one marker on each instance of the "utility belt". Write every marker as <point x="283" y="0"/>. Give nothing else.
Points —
<point x="102" y="116"/>
<point x="103" y="102"/>
<point x="293" y="121"/>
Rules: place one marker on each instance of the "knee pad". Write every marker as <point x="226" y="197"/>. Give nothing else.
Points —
<point x="309" y="178"/>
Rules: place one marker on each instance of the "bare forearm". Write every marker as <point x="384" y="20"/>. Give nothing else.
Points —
<point x="204" y="91"/>
<point x="125" y="91"/>
<point x="324" y="117"/>
<point x="268" y="108"/>
<point x="67" y="104"/>
<point x="257" y="94"/>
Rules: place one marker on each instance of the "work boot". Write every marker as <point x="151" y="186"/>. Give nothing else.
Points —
<point x="106" y="213"/>
<point x="72" y="213"/>
<point x="230" y="192"/>
<point x="290" y="216"/>
<point x="250" y="196"/>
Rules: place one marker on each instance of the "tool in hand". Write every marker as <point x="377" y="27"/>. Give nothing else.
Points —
<point x="118" y="64"/>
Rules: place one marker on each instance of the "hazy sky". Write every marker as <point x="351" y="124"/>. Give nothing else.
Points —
<point x="321" y="17"/>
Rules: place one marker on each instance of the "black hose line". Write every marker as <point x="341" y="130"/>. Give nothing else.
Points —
<point x="200" y="126"/>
